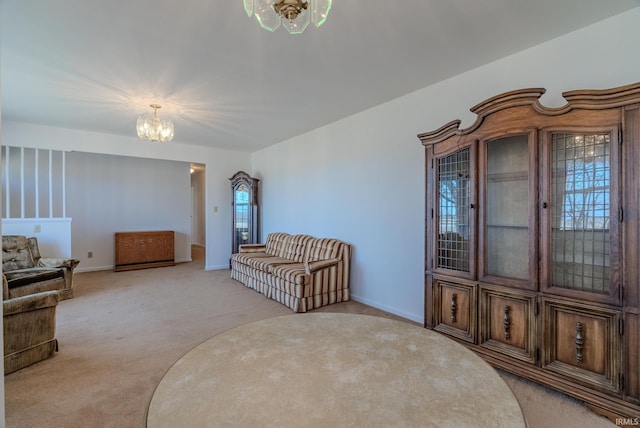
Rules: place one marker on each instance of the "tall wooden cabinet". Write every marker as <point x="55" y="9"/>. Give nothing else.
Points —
<point x="244" y="192"/>
<point x="532" y="240"/>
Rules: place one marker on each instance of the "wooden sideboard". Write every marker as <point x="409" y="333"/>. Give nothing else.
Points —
<point x="141" y="250"/>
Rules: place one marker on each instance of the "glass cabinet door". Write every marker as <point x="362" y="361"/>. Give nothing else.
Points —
<point x="583" y="214"/>
<point x="507" y="213"/>
<point x="454" y="216"/>
<point x="245" y="220"/>
<point x="241" y="214"/>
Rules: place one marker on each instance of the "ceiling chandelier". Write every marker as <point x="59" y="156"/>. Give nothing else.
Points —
<point x="152" y="128"/>
<point x="294" y="15"/>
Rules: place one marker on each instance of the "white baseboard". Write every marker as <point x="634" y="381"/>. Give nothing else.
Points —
<point x="92" y="269"/>
<point x="412" y="317"/>
<point x="111" y="267"/>
<point x="217" y="267"/>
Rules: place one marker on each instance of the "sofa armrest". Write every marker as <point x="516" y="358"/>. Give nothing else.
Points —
<point x="252" y="248"/>
<point x="311" y="267"/>
<point x="51" y="262"/>
<point x="30" y="302"/>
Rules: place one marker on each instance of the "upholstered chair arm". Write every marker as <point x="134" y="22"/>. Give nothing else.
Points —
<point x="252" y="248"/>
<point x="5" y="288"/>
<point x="52" y="262"/>
<point x="30" y="302"/>
<point x="67" y="265"/>
<point x="311" y="267"/>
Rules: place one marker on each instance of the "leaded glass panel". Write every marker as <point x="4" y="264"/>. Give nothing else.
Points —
<point x="581" y="210"/>
<point x="454" y="217"/>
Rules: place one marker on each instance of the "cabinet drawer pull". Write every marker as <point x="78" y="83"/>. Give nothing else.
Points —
<point x="579" y="342"/>
<point x="507" y="322"/>
<point x="454" y="307"/>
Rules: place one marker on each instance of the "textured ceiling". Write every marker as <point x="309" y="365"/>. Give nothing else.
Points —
<point x="225" y="82"/>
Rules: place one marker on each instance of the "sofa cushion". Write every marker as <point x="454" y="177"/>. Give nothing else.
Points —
<point x="16" y="253"/>
<point x="295" y="247"/>
<point x="263" y="263"/>
<point x="18" y="278"/>
<point x="287" y="246"/>
<point x="322" y="249"/>
<point x="275" y="243"/>
<point x="245" y="257"/>
<point x="293" y="273"/>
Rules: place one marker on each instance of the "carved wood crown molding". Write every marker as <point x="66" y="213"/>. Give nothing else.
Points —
<point x="241" y="175"/>
<point x="588" y="99"/>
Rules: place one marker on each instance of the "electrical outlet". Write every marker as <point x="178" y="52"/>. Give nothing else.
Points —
<point x="36" y="228"/>
<point x="90" y="255"/>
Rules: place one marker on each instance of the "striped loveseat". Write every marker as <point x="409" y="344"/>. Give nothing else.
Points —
<point x="299" y="271"/>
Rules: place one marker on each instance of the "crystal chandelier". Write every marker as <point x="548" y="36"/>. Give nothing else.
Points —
<point x="295" y="15"/>
<point x="152" y="128"/>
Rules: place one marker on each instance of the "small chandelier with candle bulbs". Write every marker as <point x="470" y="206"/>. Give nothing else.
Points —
<point x="152" y="128"/>
<point x="294" y="15"/>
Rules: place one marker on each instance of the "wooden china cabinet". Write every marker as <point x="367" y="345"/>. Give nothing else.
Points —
<point x="532" y="240"/>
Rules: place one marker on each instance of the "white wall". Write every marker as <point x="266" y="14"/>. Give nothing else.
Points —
<point x="219" y="164"/>
<point x="361" y="179"/>
<point x="108" y="194"/>
<point x="53" y="234"/>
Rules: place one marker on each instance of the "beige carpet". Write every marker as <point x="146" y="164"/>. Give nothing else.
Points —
<point x="123" y="331"/>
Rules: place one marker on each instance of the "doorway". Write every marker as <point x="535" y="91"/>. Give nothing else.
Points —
<point x="198" y="220"/>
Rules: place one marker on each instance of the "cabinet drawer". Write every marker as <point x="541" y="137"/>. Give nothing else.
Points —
<point x="507" y="322"/>
<point x="455" y="309"/>
<point x="582" y="342"/>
